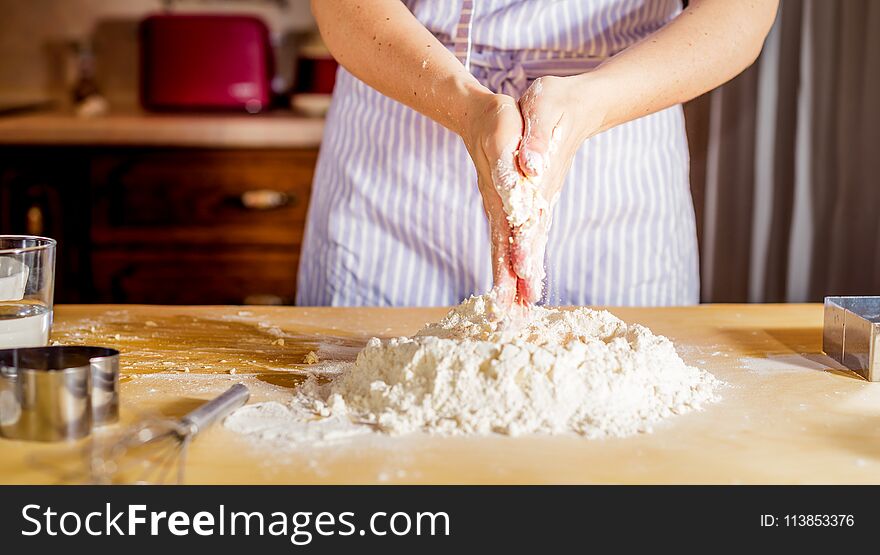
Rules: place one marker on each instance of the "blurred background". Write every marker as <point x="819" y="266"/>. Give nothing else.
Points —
<point x="172" y="157"/>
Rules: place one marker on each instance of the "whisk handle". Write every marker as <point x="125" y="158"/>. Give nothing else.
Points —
<point x="217" y="408"/>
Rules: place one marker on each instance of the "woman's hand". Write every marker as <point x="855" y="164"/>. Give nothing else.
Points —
<point x="557" y="120"/>
<point x="527" y="147"/>
<point x="492" y="132"/>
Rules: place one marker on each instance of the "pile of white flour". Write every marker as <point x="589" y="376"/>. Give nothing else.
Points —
<point x="553" y="371"/>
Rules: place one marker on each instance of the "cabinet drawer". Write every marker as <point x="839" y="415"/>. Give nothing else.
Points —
<point x="229" y="277"/>
<point x="204" y="197"/>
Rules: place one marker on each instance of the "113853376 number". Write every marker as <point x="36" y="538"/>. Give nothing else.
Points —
<point x="813" y="520"/>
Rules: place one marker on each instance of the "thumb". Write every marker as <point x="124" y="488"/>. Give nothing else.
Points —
<point x="532" y="154"/>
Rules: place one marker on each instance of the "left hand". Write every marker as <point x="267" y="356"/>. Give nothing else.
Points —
<point x="558" y="116"/>
<point x="491" y="134"/>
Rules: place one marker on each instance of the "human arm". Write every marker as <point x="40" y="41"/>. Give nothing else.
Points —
<point x="383" y="44"/>
<point x="706" y="45"/>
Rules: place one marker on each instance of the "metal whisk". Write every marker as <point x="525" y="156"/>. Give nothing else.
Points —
<point x="154" y="451"/>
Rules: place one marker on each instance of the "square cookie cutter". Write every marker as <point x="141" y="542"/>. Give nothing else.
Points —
<point x="851" y="334"/>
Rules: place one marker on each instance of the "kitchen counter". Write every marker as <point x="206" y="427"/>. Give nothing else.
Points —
<point x="788" y="415"/>
<point x="130" y="127"/>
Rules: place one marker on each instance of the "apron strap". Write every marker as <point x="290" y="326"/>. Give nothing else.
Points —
<point x="462" y="40"/>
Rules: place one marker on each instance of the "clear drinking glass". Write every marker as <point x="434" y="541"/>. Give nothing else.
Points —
<point x="27" y="287"/>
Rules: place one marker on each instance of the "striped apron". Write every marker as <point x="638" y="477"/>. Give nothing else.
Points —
<point x="396" y="218"/>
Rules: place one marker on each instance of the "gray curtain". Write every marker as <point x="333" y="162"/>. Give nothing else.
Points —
<point x="786" y="162"/>
<point x="845" y="147"/>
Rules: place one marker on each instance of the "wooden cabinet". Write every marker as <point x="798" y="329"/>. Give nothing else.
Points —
<point x="176" y="226"/>
<point x="201" y="198"/>
<point x="199" y="227"/>
<point x="195" y="276"/>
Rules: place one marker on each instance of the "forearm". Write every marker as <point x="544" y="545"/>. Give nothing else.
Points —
<point x="709" y="43"/>
<point x="385" y="46"/>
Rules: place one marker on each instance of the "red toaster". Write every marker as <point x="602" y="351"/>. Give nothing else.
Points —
<point x="205" y="62"/>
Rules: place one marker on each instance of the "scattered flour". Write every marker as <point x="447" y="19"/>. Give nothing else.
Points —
<point x="290" y="425"/>
<point x="551" y="371"/>
<point x="790" y="363"/>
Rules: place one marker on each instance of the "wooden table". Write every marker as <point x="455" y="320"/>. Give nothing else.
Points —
<point x="789" y="414"/>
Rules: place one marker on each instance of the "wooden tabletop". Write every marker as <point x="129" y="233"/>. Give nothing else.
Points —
<point x="788" y="415"/>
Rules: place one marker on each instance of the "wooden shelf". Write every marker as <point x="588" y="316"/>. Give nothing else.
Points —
<point x="134" y="128"/>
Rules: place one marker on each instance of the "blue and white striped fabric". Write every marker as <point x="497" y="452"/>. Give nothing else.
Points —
<point x="396" y="218"/>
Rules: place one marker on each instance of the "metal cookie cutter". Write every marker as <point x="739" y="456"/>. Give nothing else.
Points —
<point x="851" y="334"/>
<point x="57" y="393"/>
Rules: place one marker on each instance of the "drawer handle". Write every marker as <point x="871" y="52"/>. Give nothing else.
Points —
<point x="264" y="199"/>
<point x="264" y="299"/>
<point x="34" y="217"/>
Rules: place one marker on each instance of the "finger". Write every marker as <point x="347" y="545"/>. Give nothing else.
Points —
<point x="505" y="290"/>
<point x="527" y="257"/>
<point x="530" y="290"/>
<point x="524" y="293"/>
<point x="500" y="241"/>
<point x="503" y="275"/>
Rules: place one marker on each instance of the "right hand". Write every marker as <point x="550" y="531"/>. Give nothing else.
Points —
<point x="492" y="135"/>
